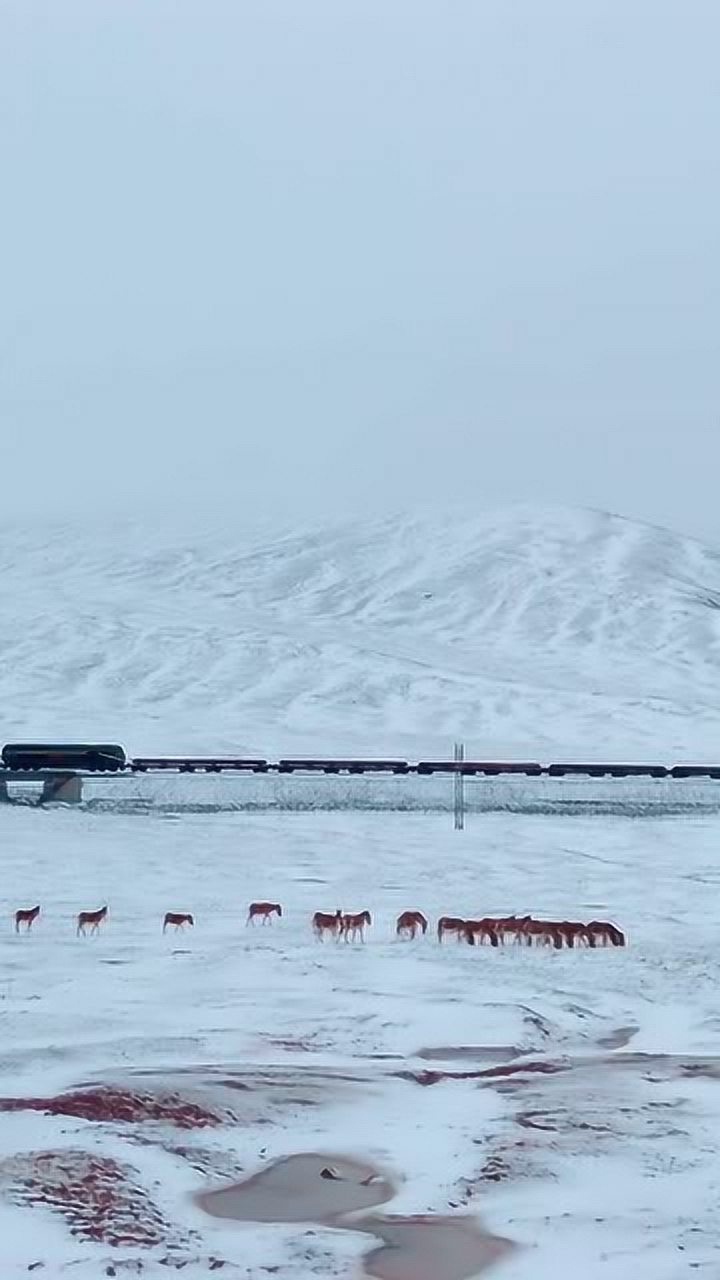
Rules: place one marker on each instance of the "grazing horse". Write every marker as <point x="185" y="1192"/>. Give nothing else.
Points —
<point x="603" y="932"/>
<point x="409" y="922"/>
<point x="323" y="922"/>
<point x="353" y="926"/>
<point x="511" y="927"/>
<point x="26" y="917"/>
<point x="178" y="919"/>
<point x="480" y="930"/>
<point x="571" y="932"/>
<point x="545" y="932"/>
<point x="92" y="918"/>
<point x="264" y="909"/>
<point x="450" y="924"/>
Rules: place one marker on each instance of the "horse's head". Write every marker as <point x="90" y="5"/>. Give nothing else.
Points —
<point x="278" y="908"/>
<point x="191" y="921"/>
<point x="367" y="917"/>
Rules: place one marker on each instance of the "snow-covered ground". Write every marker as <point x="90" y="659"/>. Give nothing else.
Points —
<point x="526" y="632"/>
<point x="297" y="1046"/>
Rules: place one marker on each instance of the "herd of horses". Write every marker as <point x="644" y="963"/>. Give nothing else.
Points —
<point x="497" y="930"/>
<point x="494" y="930"/>
<point x="351" y="926"/>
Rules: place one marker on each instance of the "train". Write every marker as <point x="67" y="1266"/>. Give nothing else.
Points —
<point x="34" y="757"/>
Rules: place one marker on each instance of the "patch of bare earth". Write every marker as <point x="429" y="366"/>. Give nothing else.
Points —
<point x="122" y="1106"/>
<point x="503" y="1071"/>
<point x="99" y="1197"/>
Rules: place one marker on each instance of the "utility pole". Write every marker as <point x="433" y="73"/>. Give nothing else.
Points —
<point x="459" y="784"/>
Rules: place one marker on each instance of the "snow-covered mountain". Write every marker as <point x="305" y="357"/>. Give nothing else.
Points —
<point x="525" y="631"/>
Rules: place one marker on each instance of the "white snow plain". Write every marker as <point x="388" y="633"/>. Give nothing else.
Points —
<point x="526" y="633"/>
<point x="607" y="1166"/>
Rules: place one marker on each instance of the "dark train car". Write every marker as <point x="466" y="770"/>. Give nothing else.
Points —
<point x="93" y="757"/>
<point x="695" y="771"/>
<point x="343" y="766"/>
<point x="482" y="768"/>
<point x="198" y="764"/>
<point x="607" y="771"/>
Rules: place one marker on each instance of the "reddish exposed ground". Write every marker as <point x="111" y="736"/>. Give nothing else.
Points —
<point x="98" y="1197"/>
<point x="537" y="1067"/>
<point x="121" y="1106"/>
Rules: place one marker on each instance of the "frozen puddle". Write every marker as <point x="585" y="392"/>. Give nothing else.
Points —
<point x="470" y="1053"/>
<point x="428" y="1248"/>
<point x="331" y="1190"/>
<point x="301" y="1188"/>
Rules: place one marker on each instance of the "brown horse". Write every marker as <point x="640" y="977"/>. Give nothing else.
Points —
<point x="545" y="933"/>
<point x="353" y="926"/>
<point x="604" y="932"/>
<point x="508" y="927"/>
<point x="452" y="925"/>
<point x="323" y="922"/>
<point x="178" y="919"/>
<point x="409" y="922"/>
<point x="572" y="932"/>
<point x="266" y="910"/>
<point x="480" y="931"/>
<point x="26" y="917"/>
<point x="92" y="918"/>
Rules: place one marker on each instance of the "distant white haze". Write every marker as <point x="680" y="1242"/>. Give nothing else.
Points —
<point x="310" y="260"/>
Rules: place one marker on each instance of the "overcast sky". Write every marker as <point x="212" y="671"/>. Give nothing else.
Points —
<point x="312" y="255"/>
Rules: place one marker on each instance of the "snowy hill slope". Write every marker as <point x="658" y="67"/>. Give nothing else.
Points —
<point x="524" y="630"/>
